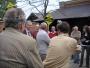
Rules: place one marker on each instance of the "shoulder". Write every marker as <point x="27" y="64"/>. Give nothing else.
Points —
<point x="65" y="38"/>
<point x="26" y="37"/>
<point x="56" y="37"/>
<point x="42" y="33"/>
<point x="26" y="41"/>
<point x="3" y="36"/>
<point x="72" y="40"/>
<point x="79" y="31"/>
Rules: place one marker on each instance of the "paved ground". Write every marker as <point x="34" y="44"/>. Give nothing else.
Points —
<point x="77" y="65"/>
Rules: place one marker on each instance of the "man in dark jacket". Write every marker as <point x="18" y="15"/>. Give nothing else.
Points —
<point x="85" y="40"/>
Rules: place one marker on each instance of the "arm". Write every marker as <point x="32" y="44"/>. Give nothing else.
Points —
<point x="46" y="38"/>
<point x="73" y="46"/>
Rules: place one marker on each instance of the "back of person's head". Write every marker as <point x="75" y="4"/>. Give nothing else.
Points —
<point x="88" y="30"/>
<point x="63" y="27"/>
<point x="43" y="26"/>
<point x="13" y="17"/>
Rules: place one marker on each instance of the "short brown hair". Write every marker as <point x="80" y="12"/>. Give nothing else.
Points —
<point x="63" y="27"/>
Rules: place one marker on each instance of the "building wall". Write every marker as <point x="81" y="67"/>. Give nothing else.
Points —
<point x="73" y="3"/>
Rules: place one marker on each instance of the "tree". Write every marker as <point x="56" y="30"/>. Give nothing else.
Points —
<point x="44" y="3"/>
<point x="37" y="3"/>
<point x="48" y="18"/>
<point x="10" y="5"/>
<point x="5" y="5"/>
<point x="2" y="7"/>
<point x="46" y="15"/>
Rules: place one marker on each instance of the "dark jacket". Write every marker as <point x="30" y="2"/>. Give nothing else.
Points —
<point x="85" y="39"/>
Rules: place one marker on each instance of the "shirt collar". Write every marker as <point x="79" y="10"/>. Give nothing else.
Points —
<point x="9" y="29"/>
<point x="64" y="34"/>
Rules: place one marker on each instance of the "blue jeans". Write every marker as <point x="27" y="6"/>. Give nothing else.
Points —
<point x="76" y="58"/>
<point x="82" y="54"/>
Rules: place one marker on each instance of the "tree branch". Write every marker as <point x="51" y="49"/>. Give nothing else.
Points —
<point x="45" y="7"/>
<point x="36" y="8"/>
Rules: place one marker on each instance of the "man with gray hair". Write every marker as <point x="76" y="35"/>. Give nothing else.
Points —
<point x="27" y="30"/>
<point x="43" y="40"/>
<point x="76" y="34"/>
<point x="16" y="49"/>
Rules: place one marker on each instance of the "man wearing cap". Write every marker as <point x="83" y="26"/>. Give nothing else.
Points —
<point x="17" y="50"/>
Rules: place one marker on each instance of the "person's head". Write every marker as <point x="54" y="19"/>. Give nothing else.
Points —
<point x="15" y="18"/>
<point x="44" y="26"/>
<point x="53" y="28"/>
<point x="1" y="25"/>
<point x="85" y="28"/>
<point x="63" y="27"/>
<point x="37" y="27"/>
<point x="88" y="30"/>
<point x="75" y="28"/>
<point x="29" y="25"/>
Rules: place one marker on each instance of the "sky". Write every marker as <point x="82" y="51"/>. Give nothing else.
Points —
<point x="53" y="4"/>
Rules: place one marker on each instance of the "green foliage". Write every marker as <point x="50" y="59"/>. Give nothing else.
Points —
<point x="10" y="5"/>
<point x="48" y="19"/>
<point x="5" y="5"/>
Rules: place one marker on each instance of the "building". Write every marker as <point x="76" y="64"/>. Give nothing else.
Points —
<point x="75" y="12"/>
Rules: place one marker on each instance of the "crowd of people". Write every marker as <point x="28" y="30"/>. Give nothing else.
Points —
<point x="27" y="44"/>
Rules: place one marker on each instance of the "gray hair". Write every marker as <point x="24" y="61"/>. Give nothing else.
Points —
<point x="28" y="22"/>
<point x="13" y="17"/>
<point x="75" y="27"/>
<point x="43" y="25"/>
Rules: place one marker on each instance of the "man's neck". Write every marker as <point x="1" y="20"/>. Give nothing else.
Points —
<point x="60" y="33"/>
